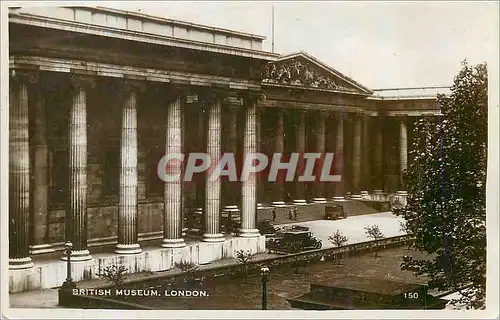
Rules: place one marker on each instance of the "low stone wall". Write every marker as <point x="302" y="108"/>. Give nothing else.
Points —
<point x="310" y="256"/>
<point x="50" y="274"/>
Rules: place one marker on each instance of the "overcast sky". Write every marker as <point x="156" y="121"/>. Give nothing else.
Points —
<point x="379" y="44"/>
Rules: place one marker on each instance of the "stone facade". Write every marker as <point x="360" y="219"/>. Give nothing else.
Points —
<point x="91" y="116"/>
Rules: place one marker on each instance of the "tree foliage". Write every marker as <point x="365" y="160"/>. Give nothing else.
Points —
<point x="338" y="239"/>
<point x="375" y="233"/>
<point x="244" y="257"/>
<point x="446" y="207"/>
<point x="116" y="274"/>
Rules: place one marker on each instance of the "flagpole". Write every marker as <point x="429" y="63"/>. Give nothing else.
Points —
<point x="272" y="37"/>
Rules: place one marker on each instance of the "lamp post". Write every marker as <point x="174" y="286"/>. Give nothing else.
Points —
<point x="66" y="290"/>
<point x="264" y="272"/>
<point x="69" y="281"/>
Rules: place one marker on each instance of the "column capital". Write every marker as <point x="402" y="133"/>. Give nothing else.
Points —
<point x="210" y="95"/>
<point x="402" y="118"/>
<point x="280" y="111"/>
<point x="24" y="76"/>
<point x="300" y="114"/>
<point x="251" y="96"/>
<point x="82" y="81"/>
<point x="322" y="114"/>
<point x="133" y="85"/>
<point x="231" y="108"/>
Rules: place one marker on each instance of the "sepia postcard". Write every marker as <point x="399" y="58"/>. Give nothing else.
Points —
<point x="249" y="160"/>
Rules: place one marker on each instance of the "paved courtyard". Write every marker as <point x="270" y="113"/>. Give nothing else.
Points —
<point x="353" y="227"/>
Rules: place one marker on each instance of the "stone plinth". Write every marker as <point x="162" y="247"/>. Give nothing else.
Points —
<point x="52" y="273"/>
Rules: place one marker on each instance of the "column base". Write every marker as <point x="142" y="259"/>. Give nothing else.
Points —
<point x="127" y="249"/>
<point x="319" y="200"/>
<point x="249" y="233"/>
<point x="78" y="255"/>
<point x="260" y="206"/>
<point x="356" y="196"/>
<point x="20" y="263"/>
<point x="365" y="194"/>
<point x="173" y="243"/>
<point x="402" y="192"/>
<point x="377" y="191"/>
<point x="41" y="248"/>
<point x="300" y="202"/>
<point x="231" y="208"/>
<point x="339" y="198"/>
<point x="278" y="204"/>
<point x="213" y="237"/>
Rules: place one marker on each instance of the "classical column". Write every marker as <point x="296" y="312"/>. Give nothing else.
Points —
<point x="319" y="186"/>
<point x="300" y="146"/>
<point x="259" y="181"/>
<point x="377" y="157"/>
<point x="356" y="159"/>
<point x="172" y="217"/>
<point x="39" y="182"/>
<point x="19" y="174"/>
<point x="76" y="214"/>
<point x="230" y="187"/>
<point x="127" y="207"/>
<point x="403" y="155"/>
<point x="279" y="148"/>
<point x="339" y="157"/>
<point x="213" y="188"/>
<point x="365" y="156"/>
<point x="199" y="213"/>
<point x="249" y="186"/>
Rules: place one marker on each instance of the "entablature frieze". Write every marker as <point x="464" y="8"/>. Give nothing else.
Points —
<point x="96" y="69"/>
<point x="293" y="105"/>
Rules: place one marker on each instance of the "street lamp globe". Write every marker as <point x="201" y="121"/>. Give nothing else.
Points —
<point x="264" y="271"/>
<point x="68" y="245"/>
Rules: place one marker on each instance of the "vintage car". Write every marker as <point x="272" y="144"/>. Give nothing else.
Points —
<point x="334" y="212"/>
<point x="266" y="228"/>
<point x="293" y="241"/>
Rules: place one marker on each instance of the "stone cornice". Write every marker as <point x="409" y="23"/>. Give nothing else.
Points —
<point x="177" y="22"/>
<point x="72" y="26"/>
<point x="294" y="105"/>
<point x="412" y="113"/>
<point x="118" y="71"/>
<point x="294" y="87"/>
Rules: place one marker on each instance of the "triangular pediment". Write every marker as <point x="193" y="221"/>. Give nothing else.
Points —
<point x="303" y="70"/>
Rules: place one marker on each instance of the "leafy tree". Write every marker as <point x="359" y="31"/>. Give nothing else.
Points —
<point x="189" y="270"/>
<point x="244" y="258"/>
<point x="115" y="274"/>
<point x="338" y="239"/>
<point x="446" y="208"/>
<point x="374" y="233"/>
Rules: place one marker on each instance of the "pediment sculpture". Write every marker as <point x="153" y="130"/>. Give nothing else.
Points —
<point x="301" y="73"/>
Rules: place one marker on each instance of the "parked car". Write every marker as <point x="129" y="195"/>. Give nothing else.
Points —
<point x="293" y="241"/>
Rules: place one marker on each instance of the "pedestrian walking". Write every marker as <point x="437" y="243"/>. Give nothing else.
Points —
<point x="274" y="214"/>
<point x="295" y="213"/>
<point x="290" y="213"/>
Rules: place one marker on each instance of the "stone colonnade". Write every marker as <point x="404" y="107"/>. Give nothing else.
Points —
<point x="76" y="208"/>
